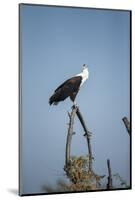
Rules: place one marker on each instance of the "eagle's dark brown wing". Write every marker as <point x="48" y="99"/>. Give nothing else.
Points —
<point x="69" y="88"/>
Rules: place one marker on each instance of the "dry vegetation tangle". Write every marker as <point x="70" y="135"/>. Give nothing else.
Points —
<point x="80" y="177"/>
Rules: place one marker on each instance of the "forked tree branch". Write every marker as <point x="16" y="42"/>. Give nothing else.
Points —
<point x="75" y="110"/>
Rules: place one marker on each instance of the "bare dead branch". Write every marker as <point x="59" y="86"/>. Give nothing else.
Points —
<point x="87" y="134"/>
<point x="109" y="184"/>
<point x="127" y="124"/>
<point x="69" y="137"/>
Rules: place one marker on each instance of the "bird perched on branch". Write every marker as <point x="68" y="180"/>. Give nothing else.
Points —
<point x="70" y="87"/>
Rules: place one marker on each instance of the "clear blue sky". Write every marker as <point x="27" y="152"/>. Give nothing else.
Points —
<point x="55" y="43"/>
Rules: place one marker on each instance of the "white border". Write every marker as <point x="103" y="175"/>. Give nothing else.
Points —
<point x="9" y="97"/>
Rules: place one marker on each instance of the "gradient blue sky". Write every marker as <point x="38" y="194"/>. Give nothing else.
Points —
<point x="55" y="43"/>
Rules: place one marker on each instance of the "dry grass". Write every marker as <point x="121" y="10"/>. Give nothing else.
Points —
<point x="80" y="177"/>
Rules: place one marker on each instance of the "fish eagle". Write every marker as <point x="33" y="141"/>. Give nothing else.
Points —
<point x="70" y="87"/>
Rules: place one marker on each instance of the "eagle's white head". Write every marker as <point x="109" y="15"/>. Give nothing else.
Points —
<point x="84" y="74"/>
<point x="85" y="67"/>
